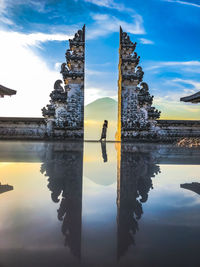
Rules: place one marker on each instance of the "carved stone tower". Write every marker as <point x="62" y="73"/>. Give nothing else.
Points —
<point x="136" y="116"/>
<point x="65" y="113"/>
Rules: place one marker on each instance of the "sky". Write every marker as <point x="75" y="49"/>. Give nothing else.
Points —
<point x="34" y="38"/>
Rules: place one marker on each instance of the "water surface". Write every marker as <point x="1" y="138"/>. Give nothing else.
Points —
<point x="94" y="204"/>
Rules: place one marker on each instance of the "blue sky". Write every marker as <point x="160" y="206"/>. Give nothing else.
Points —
<point x="34" y="39"/>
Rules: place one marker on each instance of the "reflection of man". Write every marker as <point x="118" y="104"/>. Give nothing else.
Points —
<point x="104" y="131"/>
<point x="104" y="154"/>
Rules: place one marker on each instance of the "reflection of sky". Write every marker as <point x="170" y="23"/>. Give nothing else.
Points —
<point x="167" y="187"/>
<point x="27" y="214"/>
<point x="95" y="168"/>
<point x="169" y="224"/>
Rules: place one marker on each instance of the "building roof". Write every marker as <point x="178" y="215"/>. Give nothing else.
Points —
<point x="6" y="91"/>
<point x="195" y="98"/>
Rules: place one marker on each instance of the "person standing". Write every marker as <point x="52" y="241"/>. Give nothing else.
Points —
<point x="104" y="131"/>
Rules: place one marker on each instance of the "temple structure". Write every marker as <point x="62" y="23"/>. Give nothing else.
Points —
<point x="6" y="91"/>
<point x="135" y="111"/>
<point x="137" y="118"/>
<point x="195" y="98"/>
<point x="64" y="115"/>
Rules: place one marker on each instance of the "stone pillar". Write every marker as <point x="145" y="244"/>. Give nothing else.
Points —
<point x="65" y="113"/>
<point x="136" y="116"/>
<point x="73" y="76"/>
<point x="49" y="126"/>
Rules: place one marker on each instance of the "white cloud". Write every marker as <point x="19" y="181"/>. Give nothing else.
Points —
<point x="38" y="5"/>
<point x="183" y="3"/>
<point x="3" y="15"/>
<point x="94" y="93"/>
<point x="174" y="109"/>
<point x="181" y="63"/>
<point x="21" y="69"/>
<point x="105" y="24"/>
<point x="2" y="6"/>
<point x="32" y="39"/>
<point x="57" y="66"/>
<point x="195" y="84"/>
<point x="110" y="4"/>
<point x="170" y="104"/>
<point x="95" y="72"/>
<point x="146" y="41"/>
<point x="157" y="65"/>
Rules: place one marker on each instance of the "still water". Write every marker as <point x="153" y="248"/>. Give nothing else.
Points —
<point x="94" y="204"/>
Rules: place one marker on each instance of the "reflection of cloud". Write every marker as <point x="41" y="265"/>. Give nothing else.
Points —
<point x="168" y="185"/>
<point x="94" y="167"/>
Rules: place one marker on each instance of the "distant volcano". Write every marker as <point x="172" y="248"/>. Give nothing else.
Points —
<point x="101" y="109"/>
<point x="95" y="113"/>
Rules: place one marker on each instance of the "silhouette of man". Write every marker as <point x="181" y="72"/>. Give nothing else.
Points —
<point x="104" y="130"/>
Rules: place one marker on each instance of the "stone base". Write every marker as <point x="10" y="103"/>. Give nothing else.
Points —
<point x="164" y="131"/>
<point x="34" y="129"/>
<point x="22" y="128"/>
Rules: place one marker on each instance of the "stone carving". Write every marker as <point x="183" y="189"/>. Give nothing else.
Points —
<point x="64" y="70"/>
<point x="58" y="95"/>
<point x="55" y="112"/>
<point x="58" y="86"/>
<point x="136" y="115"/>
<point x="48" y="111"/>
<point x="139" y="73"/>
<point x="74" y="80"/>
<point x="65" y="114"/>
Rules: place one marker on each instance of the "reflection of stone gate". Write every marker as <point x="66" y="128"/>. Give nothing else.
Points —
<point x="63" y="165"/>
<point x="135" y="170"/>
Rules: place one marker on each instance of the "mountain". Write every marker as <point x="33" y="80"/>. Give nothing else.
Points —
<point x="102" y="109"/>
<point x="95" y="114"/>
